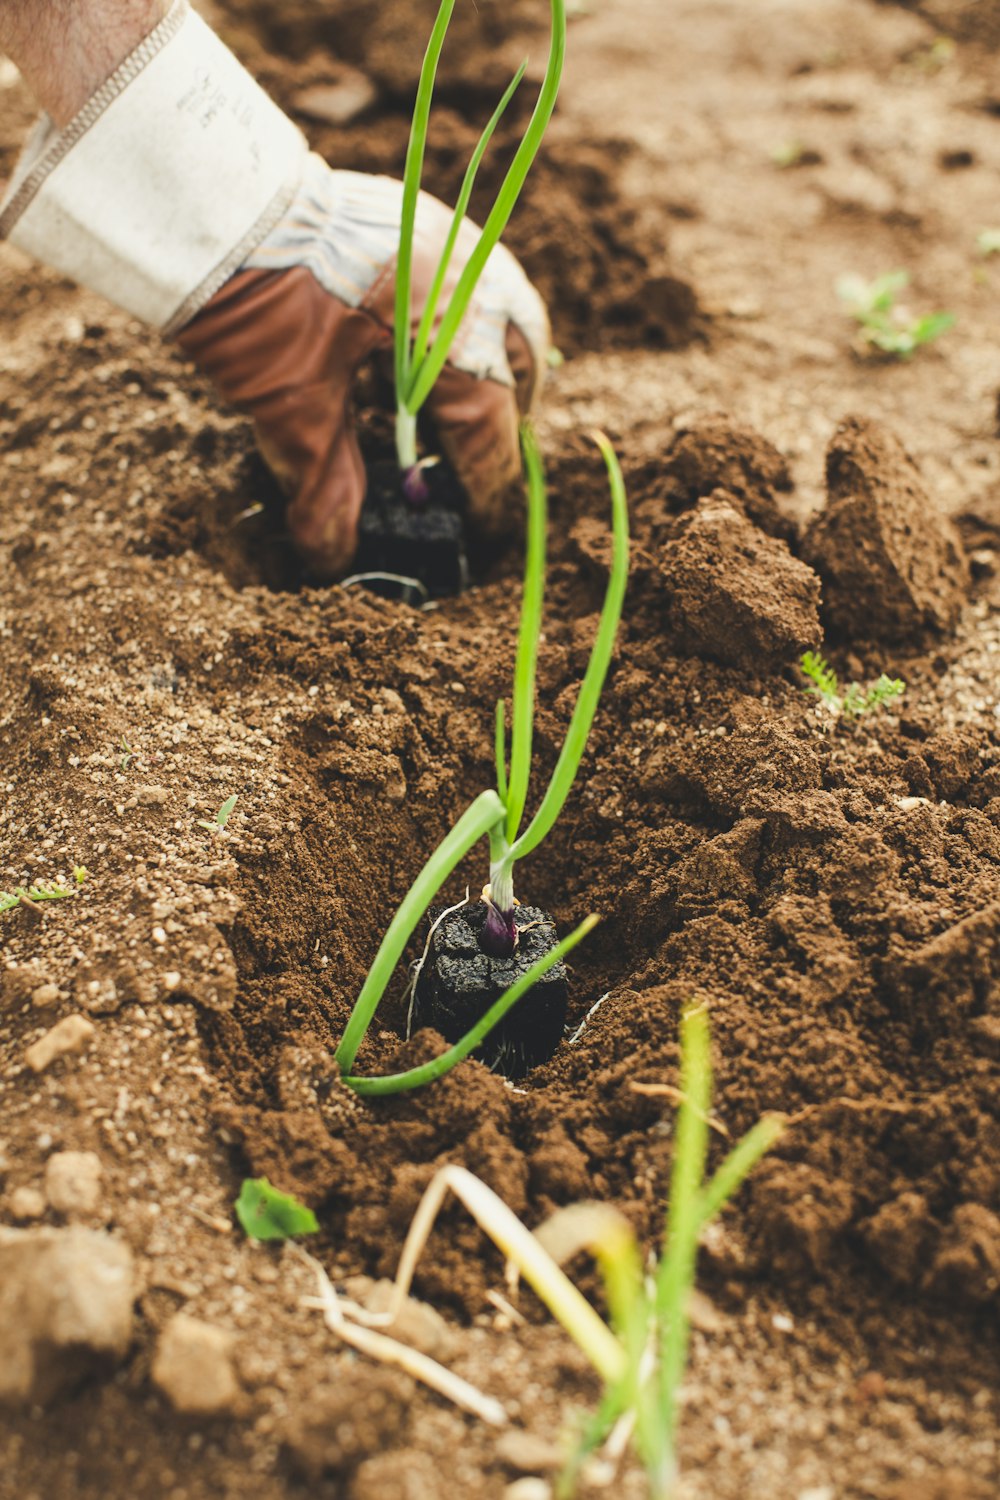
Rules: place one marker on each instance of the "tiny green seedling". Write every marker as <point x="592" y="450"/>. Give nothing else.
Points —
<point x="127" y="754"/>
<point x="794" y="153"/>
<point x="642" y="1356"/>
<point x="221" y="817"/>
<point x="497" y="814"/>
<point x="420" y="359"/>
<point x="988" y="242"/>
<point x="933" y="58"/>
<point x="267" y="1214"/>
<point x="884" y="323"/>
<point x="852" y="701"/>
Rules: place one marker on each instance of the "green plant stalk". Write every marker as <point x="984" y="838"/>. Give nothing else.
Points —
<point x="739" y="1164"/>
<point x="525" y="669"/>
<point x="461" y="208"/>
<point x="397" y="1083"/>
<point x="500" y="752"/>
<point x="422" y="380"/>
<point x="597" y="669"/>
<point x="477" y="820"/>
<point x="676" y="1273"/>
<point x="412" y="173"/>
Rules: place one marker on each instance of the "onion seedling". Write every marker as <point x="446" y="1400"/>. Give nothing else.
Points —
<point x="642" y="1356"/>
<point x="507" y="843"/>
<point x="419" y="360"/>
<point x="497" y="815"/>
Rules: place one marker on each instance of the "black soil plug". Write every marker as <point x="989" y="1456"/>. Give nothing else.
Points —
<point x="459" y="982"/>
<point x="414" y="539"/>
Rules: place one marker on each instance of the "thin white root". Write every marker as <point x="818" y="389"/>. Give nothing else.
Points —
<point x="677" y="1096"/>
<point x="389" y="1351"/>
<point x="411" y="992"/>
<point x="578" y="1033"/>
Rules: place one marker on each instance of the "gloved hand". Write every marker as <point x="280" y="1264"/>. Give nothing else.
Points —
<point x="182" y="193"/>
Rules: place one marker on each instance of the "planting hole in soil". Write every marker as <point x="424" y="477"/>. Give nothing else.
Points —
<point x="820" y="870"/>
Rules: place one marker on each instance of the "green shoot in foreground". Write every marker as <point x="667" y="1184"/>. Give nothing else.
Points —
<point x="853" y="701"/>
<point x="885" y="324"/>
<point x="642" y="1356"/>
<point x="497" y="815"/>
<point x="419" y="360"/>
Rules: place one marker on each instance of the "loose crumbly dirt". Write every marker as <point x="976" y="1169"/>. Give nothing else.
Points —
<point x="831" y="889"/>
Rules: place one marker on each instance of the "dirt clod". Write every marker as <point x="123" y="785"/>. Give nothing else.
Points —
<point x="65" y="1309"/>
<point x="71" y="1034"/>
<point x="716" y="453"/>
<point x="73" y="1183"/>
<point x="734" y="593"/>
<point x="193" y="1367"/>
<point x="891" y="566"/>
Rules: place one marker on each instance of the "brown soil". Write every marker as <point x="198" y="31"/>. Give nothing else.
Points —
<point x="832" y="890"/>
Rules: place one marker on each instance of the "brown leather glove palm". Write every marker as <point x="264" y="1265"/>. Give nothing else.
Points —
<point x="285" y="337"/>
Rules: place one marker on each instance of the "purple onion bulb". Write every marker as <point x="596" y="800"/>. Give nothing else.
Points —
<point x="415" y="486"/>
<point x="498" y="937"/>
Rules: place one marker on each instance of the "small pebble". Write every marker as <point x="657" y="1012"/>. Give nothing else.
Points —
<point x="527" y="1454"/>
<point x="71" y="1034"/>
<point x="193" y="1367"/>
<point x="528" y="1489"/>
<point x="45" y="994"/>
<point x="73" y="1182"/>
<point x="26" y="1203"/>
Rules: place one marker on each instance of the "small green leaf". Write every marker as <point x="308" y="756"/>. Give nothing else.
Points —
<point x="787" y="153"/>
<point x="931" y="326"/>
<point x="222" y="816"/>
<point x="988" y="242"/>
<point x="267" y="1214"/>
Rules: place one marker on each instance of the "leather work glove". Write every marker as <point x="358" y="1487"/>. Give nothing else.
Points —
<point x="183" y="194"/>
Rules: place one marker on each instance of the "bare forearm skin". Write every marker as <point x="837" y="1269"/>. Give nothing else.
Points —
<point x="65" y="49"/>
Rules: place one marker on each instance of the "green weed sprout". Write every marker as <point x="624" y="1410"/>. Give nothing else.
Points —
<point x="419" y="360"/>
<point x="222" y="816"/>
<point x="497" y="815"/>
<point x="642" y="1356"/>
<point x="40" y="891"/>
<point x="884" y="324"/>
<point x="853" y="701"/>
<point x="267" y="1214"/>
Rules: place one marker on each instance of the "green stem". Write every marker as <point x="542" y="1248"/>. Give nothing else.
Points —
<point x="675" y="1277"/>
<point x="406" y="439"/>
<point x="412" y="173"/>
<point x="500" y="751"/>
<point x="522" y="711"/>
<point x="496" y="221"/>
<point x="461" y="206"/>
<point x="739" y="1164"/>
<point x="597" y="668"/>
<point x="477" y="820"/>
<point x="414" y="1078"/>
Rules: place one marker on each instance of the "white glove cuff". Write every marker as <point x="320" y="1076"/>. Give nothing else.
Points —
<point x="157" y="191"/>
